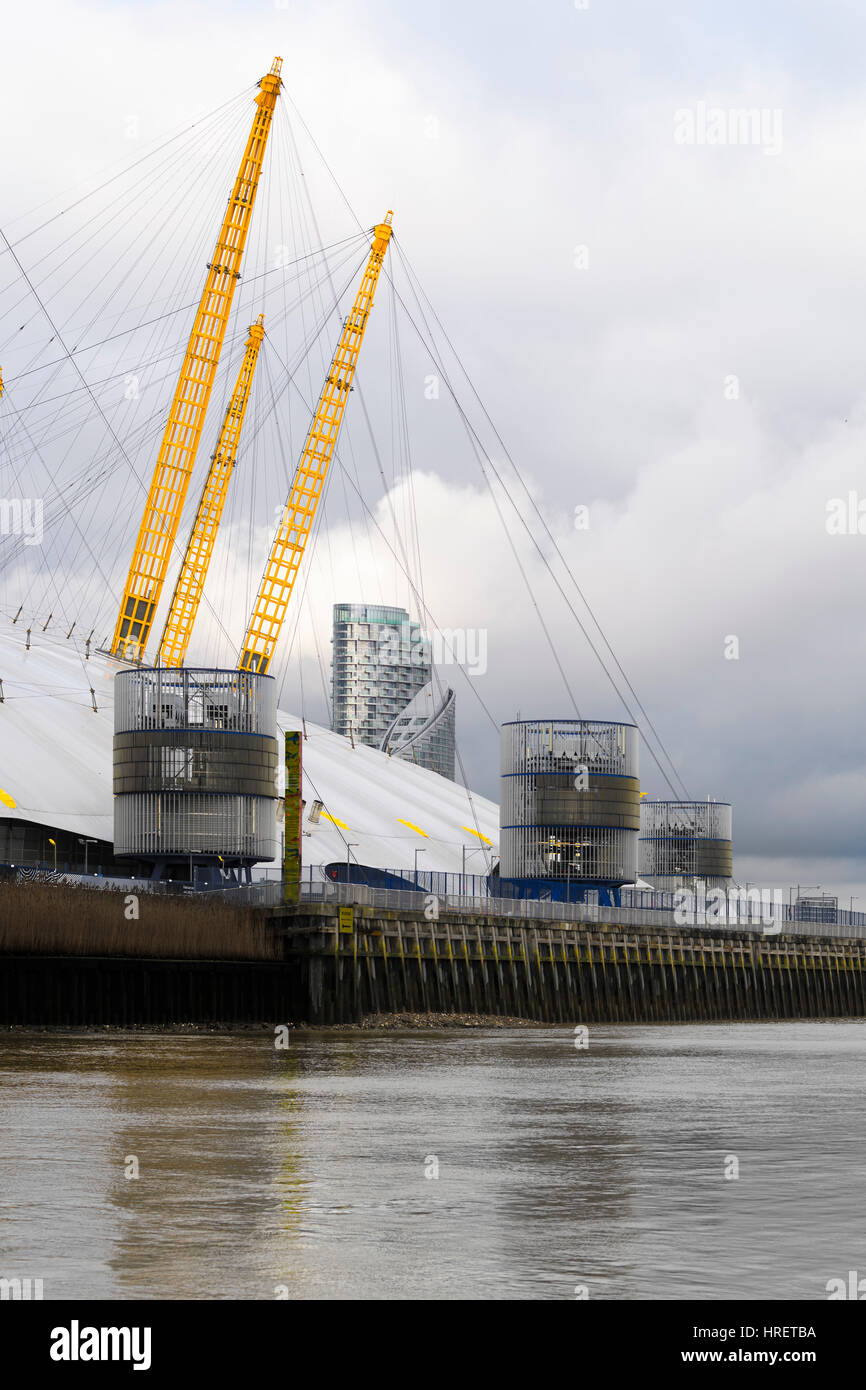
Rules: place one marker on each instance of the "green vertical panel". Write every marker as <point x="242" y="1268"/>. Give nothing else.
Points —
<point x="292" y="823"/>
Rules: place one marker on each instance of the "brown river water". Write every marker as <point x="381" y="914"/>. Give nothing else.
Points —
<point x="482" y="1164"/>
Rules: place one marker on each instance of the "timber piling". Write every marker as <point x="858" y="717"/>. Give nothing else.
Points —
<point x="352" y="962"/>
<point x="337" y="965"/>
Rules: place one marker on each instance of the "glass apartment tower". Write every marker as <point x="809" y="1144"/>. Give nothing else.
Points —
<point x="380" y="662"/>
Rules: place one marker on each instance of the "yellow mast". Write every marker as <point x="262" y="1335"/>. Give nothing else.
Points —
<point x="287" y="548"/>
<point x="180" y="441"/>
<point x="193" y="571"/>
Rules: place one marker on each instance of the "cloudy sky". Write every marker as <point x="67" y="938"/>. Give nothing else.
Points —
<point x="658" y="301"/>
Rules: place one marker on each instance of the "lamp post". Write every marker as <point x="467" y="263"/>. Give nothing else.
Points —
<point x="85" y="843"/>
<point x="472" y="849"/>
<point x="54" y="843"/>
<point x="350" y="845"/>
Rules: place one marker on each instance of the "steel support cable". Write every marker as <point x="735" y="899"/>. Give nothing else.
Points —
<point x="163" y="175"/>
<point x="48" y="317"/>
<point x="352" y="212"/>
<point x="413" y="277"/>
<point x="158" y="414"/>
<point x="269" y="409"/>
<point x="164" y="354"/>
<point x="46" y="382"/>
<point x="357" y="489"/>
<point x="479" y="449"/>
<point x="103" y="417"/>
<point x="152" y="425"/>
<point x="402" y="447"/>
<point x="191" y="270"/>
<point x="406" y="447"/>
<point x="306" y="215"/>
<point x="526" y="584"/>
<point x="132" y="263"/>
<point x="421" y="604"/>
<point x="242" y="96"/>
<point x="59" y="494"/>
<point x="86" y="481"/>
<point x="122" y="409"/>
<point x="72" y="247"/>
<point x="427" y="614"/>
<point x="649" y="723"/>
<point x="181" y="309"/>
<point x="82" y="537"/>
<point x="293" y="151"/>
<point x="265" y="415"/>
<point x="428" y="345"/>
<point x="295" y="173"/>
<point x="422" y="607"/>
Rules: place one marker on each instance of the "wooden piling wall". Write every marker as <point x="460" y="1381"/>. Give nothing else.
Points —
<point x="127" y="991"/>
<point x="370" y="962"/>
<point x="568" y="975"/>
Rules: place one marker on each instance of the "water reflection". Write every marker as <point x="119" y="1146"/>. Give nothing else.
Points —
<point x="306" y="1170"/>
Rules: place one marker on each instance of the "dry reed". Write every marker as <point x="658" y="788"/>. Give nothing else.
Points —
<point x="54" y="919"/>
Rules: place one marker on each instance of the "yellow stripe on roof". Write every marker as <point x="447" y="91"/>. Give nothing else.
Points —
<point x="333" y="819"/>
<point x="7" y="799"/>
<point x="477" y="834"/>
<point x="413" y="827"/>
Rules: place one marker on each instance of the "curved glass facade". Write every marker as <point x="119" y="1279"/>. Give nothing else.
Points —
<point x="423" y="732"/>
<point x="195" y="764"/>
<point x="569" y="805"/>
<point x="685" y="840"/>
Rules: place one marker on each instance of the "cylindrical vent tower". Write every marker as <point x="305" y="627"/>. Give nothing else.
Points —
<point x="569" y="801"/>
<point x="195" y="765"/>
<point x="685" y="840"/>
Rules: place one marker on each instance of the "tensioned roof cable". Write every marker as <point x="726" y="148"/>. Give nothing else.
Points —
<point x="240" y="96"/>
<point x="649" y="723"/>
<point x="471" y="430"/>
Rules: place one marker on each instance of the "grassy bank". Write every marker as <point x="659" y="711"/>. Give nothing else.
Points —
<point x="53" y="919"/>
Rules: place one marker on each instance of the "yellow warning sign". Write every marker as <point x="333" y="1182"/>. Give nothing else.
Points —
<point x="347" y="919"/>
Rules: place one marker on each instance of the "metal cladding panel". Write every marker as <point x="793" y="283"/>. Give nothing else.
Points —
<point x="181" y="823"/>
<point x="193" y="698"/>
<point x="569" y="805"/>
<point x="605" y="801"/>
<point x="685" y="839"/>
<point x="184" y="760"/>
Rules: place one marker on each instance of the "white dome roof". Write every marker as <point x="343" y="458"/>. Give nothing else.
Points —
<point x="56" y="770"/>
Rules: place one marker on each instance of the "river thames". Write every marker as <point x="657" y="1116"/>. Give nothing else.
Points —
<point x="657" y="1162"/>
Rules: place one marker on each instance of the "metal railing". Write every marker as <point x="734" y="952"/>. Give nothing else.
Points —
<point x="530" y="910"/>
<point x="576" y="914"/>
<point x="643" y="909"/>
